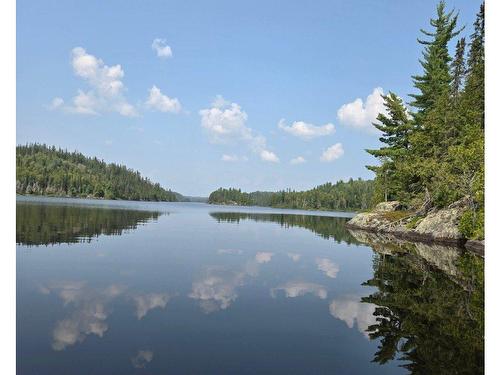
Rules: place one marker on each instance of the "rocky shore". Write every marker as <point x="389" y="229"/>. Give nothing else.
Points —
<point x="437" y="226"/>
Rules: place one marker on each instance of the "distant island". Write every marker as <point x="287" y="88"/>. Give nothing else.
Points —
<point x="353" y="195"/>
<point x="44" y="170"/>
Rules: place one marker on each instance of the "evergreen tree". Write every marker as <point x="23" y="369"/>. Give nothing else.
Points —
<point x="395" y="128"/>
<point x="436" y="78"/>
<point x="436" y="157"/>
<point x="458" y="68"/>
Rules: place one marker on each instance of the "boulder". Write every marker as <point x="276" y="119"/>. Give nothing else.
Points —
<point x="388" y="206"/>
<point x="442" y="224"/>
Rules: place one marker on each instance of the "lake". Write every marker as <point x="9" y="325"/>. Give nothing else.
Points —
<point x="114" y="287"/>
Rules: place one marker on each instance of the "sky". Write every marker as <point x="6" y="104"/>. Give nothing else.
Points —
<point x="196" y="95"/>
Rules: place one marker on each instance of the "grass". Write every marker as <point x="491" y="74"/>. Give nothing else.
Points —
<point x="412" y="224"/>
<point x="396" y="215"/>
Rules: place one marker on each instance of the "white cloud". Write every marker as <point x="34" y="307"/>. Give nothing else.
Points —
<point x="161" y="102"/>
<point x="306" y="131"/>
<point x="294" y="289"/>
<point x="56" y="103"/>
<point x="293" y="256"/>
<point x="332" y="153"/>
<point x="297" y="160"/>
<point x="329" y="268"/>
<point x="145" y="303"/>
<point x="106" y="92"/>
<point x="162" y="49"/>
<point x="225" y="123"/>
<point x="233" y="158"/>
<point x="142" y="358"/>
<point x="263" y="257"/>
<point x="351" y="310"/>
<point x="270" y="156"/>
<point x="361" y="115"/>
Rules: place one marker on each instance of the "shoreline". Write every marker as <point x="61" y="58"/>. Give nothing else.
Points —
<point x="474" y="246"/>
<point x="438" y="226"/>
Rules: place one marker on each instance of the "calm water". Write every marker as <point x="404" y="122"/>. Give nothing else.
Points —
<point x="187" y="288"/>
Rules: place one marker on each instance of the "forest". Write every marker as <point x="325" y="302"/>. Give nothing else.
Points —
<point x="433" y="149"/>
<point x="44" y="170"/>
<point x="343" y="196"/>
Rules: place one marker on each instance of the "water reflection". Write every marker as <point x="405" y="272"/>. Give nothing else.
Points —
<point x="216" y="289"/>
<point x="44" y="224"/>
<point x="295" y="289"/>
<point x="90" y="311"/>
<point x="325" y="226"/>
<point x="165" y="301"/>
<point x="142" y="358"/>
<point x="328" y="267"/>
<point x="351" y="310"/>
<point x="145" y="303"/>
<point x="91" y="308"/>
<point x="430" y="307"/>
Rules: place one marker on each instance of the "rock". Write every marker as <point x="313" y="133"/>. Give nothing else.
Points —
<point x="475" y="246"/>
<point x="439" y="225"/>
<point x="440" y="256"/>
<point x="442" y="224"/>
<point x="388" y="206"/>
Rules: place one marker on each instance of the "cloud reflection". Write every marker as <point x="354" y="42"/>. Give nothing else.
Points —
<point x="217" y="289"/>
<point x="293" y="256"/>
<point x="294" y="289"/>
<point x="229" y="251"/>
<point x="146" y="302"/>
<point x="91" y="308"/>
<point x="142" y="358"/>
<point x="328" y="267"/>
<point x="90" y="313"/>
<point x="263" y="257"/>
<point x="350" y="310"/>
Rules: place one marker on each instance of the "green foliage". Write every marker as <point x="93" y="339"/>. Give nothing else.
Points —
<point x="344" y="196"/>
<point x="413" y="223"/>
<point x="437" y="153"/>
<point x="431" y="321"/>
<point x="44" y="170"/>
<point x="472" y="224"/>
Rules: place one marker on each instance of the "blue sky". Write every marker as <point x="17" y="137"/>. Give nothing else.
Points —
<point x="242" y="89"/>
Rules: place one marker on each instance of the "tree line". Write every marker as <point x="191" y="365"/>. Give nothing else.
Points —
<point x="344" y="196"/>
<point x="433" y="150"/>
<point x="44" y="170"/>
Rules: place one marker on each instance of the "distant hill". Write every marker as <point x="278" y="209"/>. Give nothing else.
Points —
<point x="345" y="196"/>
<point x="44" y="170"/>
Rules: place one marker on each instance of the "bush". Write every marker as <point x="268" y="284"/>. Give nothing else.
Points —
<point x="472" y="224"/>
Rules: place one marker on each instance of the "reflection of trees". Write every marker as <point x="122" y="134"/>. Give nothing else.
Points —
<point x="432" y="321"/>
<point x="38" y="224"/>
<point x="325" y="226"/>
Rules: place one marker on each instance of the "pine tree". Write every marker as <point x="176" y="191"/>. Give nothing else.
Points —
<point x="436" y="78"/>
<point x="458" y="68"/>
<point x="395" y="128"/>
<point x="474" y="84"/>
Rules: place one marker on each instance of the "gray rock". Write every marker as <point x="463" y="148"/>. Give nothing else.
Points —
<point x="388" y="206"/>
<point x="437" y="226"/>
<point x="442" y="224"/>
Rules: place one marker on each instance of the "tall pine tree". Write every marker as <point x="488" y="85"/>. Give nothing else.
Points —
<point x="395" y="128"/>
